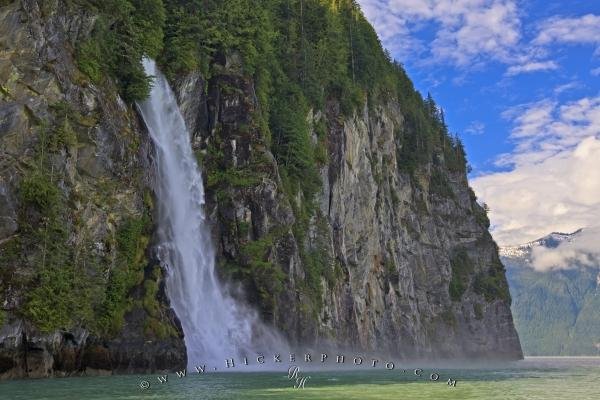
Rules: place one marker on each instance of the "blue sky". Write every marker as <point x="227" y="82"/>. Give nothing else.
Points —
<point x="519" y="81"/>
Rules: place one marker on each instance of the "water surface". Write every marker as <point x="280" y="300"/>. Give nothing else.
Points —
<point x="531" y="379"/>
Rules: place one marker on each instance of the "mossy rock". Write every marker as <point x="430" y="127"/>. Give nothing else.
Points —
<point x="462" y="268"/>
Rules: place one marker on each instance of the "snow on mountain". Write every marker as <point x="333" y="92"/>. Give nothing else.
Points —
<point x="550" y="241"/>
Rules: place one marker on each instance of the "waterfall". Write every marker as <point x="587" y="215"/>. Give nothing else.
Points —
<point x="215" y="326"/>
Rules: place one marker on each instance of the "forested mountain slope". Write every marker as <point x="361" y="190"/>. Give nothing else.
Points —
<point x="555" y="310"/>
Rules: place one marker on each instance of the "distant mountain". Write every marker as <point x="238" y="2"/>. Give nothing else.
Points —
<point x="550" y="241"/>
<point x="556" y="312"/>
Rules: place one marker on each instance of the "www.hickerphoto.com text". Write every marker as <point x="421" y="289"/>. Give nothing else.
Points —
<point x="307" y="359"/>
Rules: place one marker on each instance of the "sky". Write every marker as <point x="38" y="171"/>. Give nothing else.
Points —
<point x="519" y="82"/>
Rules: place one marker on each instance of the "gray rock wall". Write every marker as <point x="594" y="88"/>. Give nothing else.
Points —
<point x="386" y="235"/>
<point x="103" y="174"/>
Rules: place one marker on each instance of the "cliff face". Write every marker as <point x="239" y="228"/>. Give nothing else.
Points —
<point x="79" y="290"/>
<point x="387" y="256"/>
<point x="386" y="242"/>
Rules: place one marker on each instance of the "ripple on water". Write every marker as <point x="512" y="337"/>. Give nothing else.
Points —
<point x="532" y="379"/>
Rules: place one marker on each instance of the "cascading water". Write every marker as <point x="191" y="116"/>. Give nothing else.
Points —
<point x="215" y="326"/>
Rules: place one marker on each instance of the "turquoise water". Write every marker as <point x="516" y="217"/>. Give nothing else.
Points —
<point x="531" y="379"/>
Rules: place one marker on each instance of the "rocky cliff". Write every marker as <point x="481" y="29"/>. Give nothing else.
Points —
<point x="78" y="287"/>
<point x="374" y="242"/>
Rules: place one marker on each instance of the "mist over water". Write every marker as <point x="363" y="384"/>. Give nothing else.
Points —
<point x="215" y="325"/>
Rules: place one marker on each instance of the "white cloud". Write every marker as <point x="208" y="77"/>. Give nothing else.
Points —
<point x="389" y="26"/>
<point x="554" y="181"/>
<point x="566" y="87"/>
<point x="470" y="33"/>
<point x="583" y="251"/>
<point x="585" y="29"/>
<point x="546" y="128"/>
<point x="475" y="128"/>
<point x="467" y="31"/>
<point x="532" y="66"/>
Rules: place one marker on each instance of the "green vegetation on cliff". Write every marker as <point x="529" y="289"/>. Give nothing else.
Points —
<point x="61" y="296"/>
<point x="491" y="284"/>
<point x="301" y="55"/>
<point x="462" y="267"/>
<point x="131" y="242"/>
<point x="125" y="31"/>
<point x="67" y="279"/>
